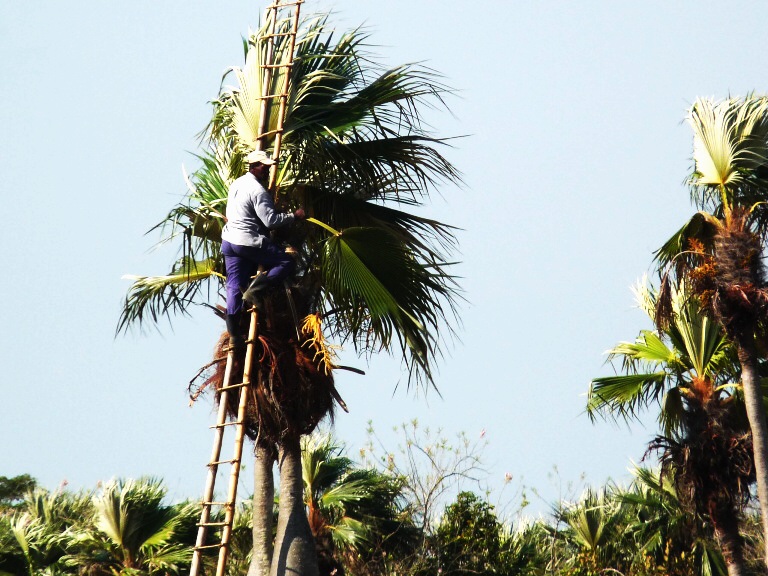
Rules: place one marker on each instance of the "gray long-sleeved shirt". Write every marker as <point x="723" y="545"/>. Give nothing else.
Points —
<point x="251" y="213"/>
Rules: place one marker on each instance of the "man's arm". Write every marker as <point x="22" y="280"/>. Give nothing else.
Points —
<point x="265" y="210"/>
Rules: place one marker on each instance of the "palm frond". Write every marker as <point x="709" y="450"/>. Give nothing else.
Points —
<point x="701" y="227"/>
<point x="386" y="295"/>
<point x="730" y="141"/>
<point x="624" y="397"/>
<point x="151" y="297"/>
<point x="350" y="533"/>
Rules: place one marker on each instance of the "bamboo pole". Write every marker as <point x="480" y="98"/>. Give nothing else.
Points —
<point x="284" y="95"/>
<point x="234" y="475"/>
<point x="266" y="76"/>
<point x="213" y="468"/>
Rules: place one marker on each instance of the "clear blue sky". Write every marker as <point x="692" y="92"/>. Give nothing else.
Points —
<point x="573" y="163"/>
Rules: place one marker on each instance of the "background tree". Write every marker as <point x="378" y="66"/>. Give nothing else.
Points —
<point x="37" y="535"/>
<point x="705" y="441"/>
<point x="13" y="490"/>
<point x="132" y="531"/>
<point x="720" y="249"/>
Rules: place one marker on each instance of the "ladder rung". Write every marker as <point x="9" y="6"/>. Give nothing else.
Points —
<point x="231" y="386"/>
<point x="279" y="4"/>
<point x="213" y="524"/>
<point x="271" y="133"/>
<point x="224" y="425"/>
<point x="218" y="503"/>
<point x="208" y="546"/>
<point x="270" y="96"/>
<point x="217" y="462"/>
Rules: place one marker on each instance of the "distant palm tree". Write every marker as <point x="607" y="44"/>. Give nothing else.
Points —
<point x="371" y="275"/>
<point x="133" y="531"/>
<point x="661" y="528"/>
<point x="37" y="534"/>
<point x="705" y="442"/>
<point x="720" y="249"/>
<point x="594" y="530"/>
<point x="355" y="514"/>
<point x="690" y="358"/>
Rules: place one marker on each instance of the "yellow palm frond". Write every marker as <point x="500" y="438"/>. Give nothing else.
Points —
<point x="729" y="139"/>
<point x="325" y="353"/>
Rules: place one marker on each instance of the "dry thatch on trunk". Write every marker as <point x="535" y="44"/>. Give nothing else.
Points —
<point x="290" y="390"/>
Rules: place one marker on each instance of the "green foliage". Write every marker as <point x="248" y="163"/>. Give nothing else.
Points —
<point x="640" y="530"/>
<point x="468" y="539"/>
<point x="662" y="369"/>
<point x="357" y="515"/>
<point x="13" y="489"/>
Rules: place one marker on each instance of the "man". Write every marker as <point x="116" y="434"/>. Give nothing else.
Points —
<point x="245" y="239"/>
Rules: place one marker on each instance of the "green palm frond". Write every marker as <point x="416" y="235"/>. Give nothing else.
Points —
<point x="400" y="169"/>
<point x="168" y="559"/>
<point x="624" y="397"/>
<point x="647" y="348"/>
<point x="428" y="238"/>
<point x="384" y="295"/>
<point x="661" y="523"/>
<point x="153" y="296"/>
<point x="322" y="464"/>
<point x="350" y="533"/>
<point x="655" y="366"/>
<point x="132" y="516"/>
<point x="357" y="506"/>
<point x="701" y="227"/>
<point x="703" y="340"/>
<point x="672" y="411"/>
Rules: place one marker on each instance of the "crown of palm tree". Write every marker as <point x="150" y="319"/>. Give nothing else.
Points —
<point x="354" y="151"/>
<point x="692" y="353"/>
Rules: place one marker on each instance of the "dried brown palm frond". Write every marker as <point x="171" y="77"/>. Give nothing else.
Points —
<point x="727" y="275"/>
<point x="290" y="390"/>
<point x="731" y="279"/>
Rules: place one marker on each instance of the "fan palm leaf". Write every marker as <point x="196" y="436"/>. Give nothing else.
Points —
<point x="380" y="290"/>
<point x="349" y="505"/>
<point x="663" y="528"/>
<point x="662" y="371"/>
<point x="730" y="142"/>
<point x="156" y="296"/>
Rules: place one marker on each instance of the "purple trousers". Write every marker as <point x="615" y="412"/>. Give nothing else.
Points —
<point x="242" y="262"/>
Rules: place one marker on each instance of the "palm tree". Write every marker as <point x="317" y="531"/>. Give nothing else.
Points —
<point x="662" y="531"/>
<point x="371" y="275"/>
<point x="720" y="248"/>
<point x="705" y="444"/>
<point x="131" y="530"/>
<point x="356" y="515"/>
<point x="38" y="534"/>
<point x="594" y="526"/>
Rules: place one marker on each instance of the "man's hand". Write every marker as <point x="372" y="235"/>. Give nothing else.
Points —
<point x="299" y="214"/>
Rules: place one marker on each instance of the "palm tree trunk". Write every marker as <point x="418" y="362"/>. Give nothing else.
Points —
<point x="726" y="524"/>
<point x="753" y="398"/>
<point x="263" y="502"/>
<point x="295" y="553"/>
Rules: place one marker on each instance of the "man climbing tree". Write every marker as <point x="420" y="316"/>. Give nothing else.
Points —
<point x="245" y="243"/>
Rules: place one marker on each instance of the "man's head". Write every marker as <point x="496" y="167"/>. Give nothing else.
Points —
<point x="259" y="157"/>
<point x="259" y="163"/>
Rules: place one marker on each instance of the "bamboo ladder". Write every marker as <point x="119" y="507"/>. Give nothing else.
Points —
<point x="208" y="503"/>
